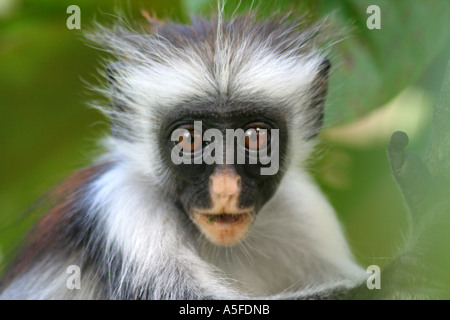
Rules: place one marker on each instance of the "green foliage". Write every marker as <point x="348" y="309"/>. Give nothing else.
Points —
<point x="438" y="158"/>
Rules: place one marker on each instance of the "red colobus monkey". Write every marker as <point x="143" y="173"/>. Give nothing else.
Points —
<point x="140" y="226"/>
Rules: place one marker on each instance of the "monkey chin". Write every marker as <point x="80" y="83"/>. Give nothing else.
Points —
<point x="223" y="229"/>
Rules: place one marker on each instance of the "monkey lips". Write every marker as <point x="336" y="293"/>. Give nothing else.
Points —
<point x="225" y="229"/>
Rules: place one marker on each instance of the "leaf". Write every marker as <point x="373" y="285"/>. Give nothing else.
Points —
<point x="375" y="65"/>
<point x="425" y="190"/>
<point x="438" y="158"/>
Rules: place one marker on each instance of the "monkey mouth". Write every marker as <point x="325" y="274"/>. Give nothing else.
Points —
<point x="225" y="218"/>
<point x="225" y="229"/>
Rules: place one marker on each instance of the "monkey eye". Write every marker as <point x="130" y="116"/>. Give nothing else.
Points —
<point x="257" y="136"/>
<point x="190" y="140"/>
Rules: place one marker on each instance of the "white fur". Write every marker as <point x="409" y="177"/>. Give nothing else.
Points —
<point x="296" y="241"/>
<point x="47" y="280"/>
<point x="295" y="247"/>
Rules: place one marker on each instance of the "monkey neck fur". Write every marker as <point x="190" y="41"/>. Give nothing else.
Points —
<point x="287" y="236"/>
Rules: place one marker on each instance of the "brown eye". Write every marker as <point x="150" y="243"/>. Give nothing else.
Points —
<point x="256" y="138"/>
<point x="190" y="140"/>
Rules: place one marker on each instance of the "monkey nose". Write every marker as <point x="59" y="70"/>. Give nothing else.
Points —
<point x="225" y="183"/>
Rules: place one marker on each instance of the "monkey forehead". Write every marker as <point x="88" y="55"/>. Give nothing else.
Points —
<point x="262" y="75"/>
<point x="231" y="58"/>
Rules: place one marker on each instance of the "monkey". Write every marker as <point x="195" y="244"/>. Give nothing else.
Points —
<point x="140" y="226"/>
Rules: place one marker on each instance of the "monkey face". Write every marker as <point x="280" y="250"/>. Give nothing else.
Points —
<point x="225" y="163"/>
<point x="260" y="81"/>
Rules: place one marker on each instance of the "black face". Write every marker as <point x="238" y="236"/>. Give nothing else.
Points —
<point x="192" y="188"/>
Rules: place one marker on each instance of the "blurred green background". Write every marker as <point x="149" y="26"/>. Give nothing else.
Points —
<point x="382" y="81"/>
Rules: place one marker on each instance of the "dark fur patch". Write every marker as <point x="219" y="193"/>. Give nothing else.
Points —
<point x="318" y="95"/>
